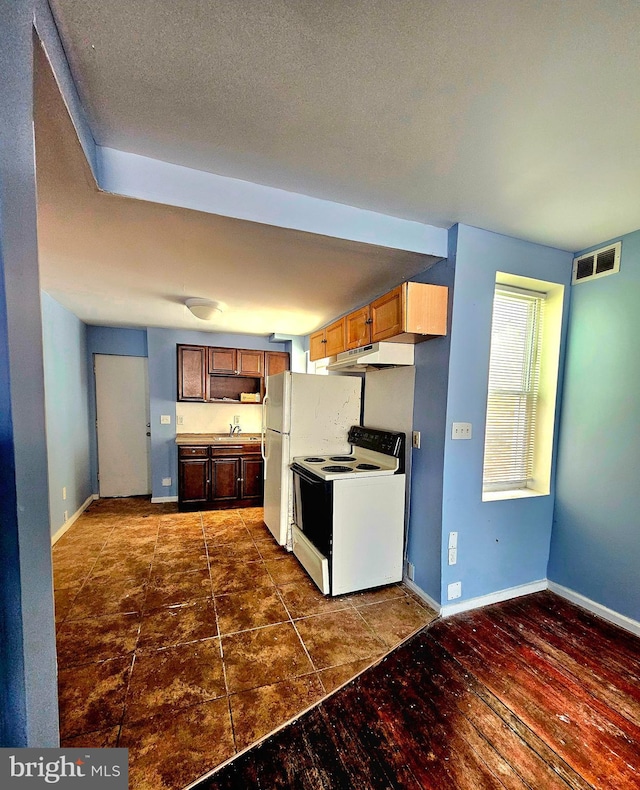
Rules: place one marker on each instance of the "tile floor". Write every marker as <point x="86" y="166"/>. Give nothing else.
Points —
<point x="186" y="637"/>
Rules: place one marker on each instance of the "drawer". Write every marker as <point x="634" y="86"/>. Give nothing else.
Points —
<point x="193" y="452"/>
<point x="226" y="450"/>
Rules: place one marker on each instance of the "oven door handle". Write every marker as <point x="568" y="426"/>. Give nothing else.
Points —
<point x="309" y="477"/>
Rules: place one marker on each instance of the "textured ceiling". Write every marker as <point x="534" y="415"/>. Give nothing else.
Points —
<point x="117" y="261"/>
<point x="519" y="117"/>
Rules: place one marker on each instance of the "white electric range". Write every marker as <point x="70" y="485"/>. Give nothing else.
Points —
<point x="349" y="510"/>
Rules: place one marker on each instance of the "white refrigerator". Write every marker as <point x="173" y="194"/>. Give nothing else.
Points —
<point x="303" y="414"/>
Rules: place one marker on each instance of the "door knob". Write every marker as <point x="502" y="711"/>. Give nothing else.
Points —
<point x="148" y="433"/>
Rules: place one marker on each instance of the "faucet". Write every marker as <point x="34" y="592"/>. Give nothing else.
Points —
<point x="234" y="429"/>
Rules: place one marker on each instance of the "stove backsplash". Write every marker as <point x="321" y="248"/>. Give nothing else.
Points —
<point x="216" y="417"/>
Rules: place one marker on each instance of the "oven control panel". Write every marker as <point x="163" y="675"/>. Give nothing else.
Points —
<point x="387" y="442"/>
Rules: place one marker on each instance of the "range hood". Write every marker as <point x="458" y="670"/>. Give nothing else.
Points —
<point x="374" y="355"/>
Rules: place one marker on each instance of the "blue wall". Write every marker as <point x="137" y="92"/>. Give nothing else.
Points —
<point x="427" y="463"/>
<point x="107" y="340"/>
<point x="67" y="409"/>
<point x="506" y="543"/>
<point x="163" y="377"/>
<point x="595" y="548"/>
<point x="28" y="689"/>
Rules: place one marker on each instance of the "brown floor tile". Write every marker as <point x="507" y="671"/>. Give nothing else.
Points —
<point x="186" y="546"/>
<point x="91" y="697"/>
<point x="175" y="677"/>
<point x="108" y="596"/>
<point x="101" y="739"/>
<point x="70" y="574"/>
<point x="233" y="532"/>
<point x="64" y="599"/>
<point x="258" y="529"/>
<point x="262" y="657"/>
<point x="221" y="518"/>
<point x="97" y="638"/>
<point x="235" y="576"/>
<point x="172" y="520"/>
<point x="304" y="598"/>
<point x="259" y="711"/>
<point x="133" y="566"/>
<point x="249" y="609"/>
<point x="244" y="551"/>
<point x="176" y="625"/>
<point x="334" y="677"/>
<point x="168" y="753"/>
<point x="396" y="619"/>
<point x="286" y="570"/>
<point x="270" y="550"/>
<point x="338" y="637"/>
<point x="177" y="588"/>
<point x="179" y="562"/>
<point x="367" y="597"/>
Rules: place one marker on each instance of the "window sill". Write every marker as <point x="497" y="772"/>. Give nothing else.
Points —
<point x="516" y="493"/>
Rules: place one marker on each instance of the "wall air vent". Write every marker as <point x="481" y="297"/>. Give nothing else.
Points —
<point x="598" y="263"/>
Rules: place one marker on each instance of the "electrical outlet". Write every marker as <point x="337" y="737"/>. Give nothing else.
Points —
<point x="461" y="430"/>
<point x="166" y="481"/>
<point x="165" y="419"/>
<point x="66" y="515"/>
<point x="64" y="492"/>
<point x="180" y="419"/>
<point x="236" y="419"/>
<point x="453" y="540"/>
<point x="416" y="440"/>
<point x="453" y="556"/>
<point x="411" y="571"/>
<point x="454" y="590"/>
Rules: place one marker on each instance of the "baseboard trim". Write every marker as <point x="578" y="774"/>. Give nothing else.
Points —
<point x="495" y="597"/>
<point x="158" y="500"/>
<point x="596" y="608"/>
<point x="421" y="594"/>
<point x="70" y="521"/>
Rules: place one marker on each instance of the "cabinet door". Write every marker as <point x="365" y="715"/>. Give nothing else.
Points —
<point x="250" y="363"/>
<point x="317" y="344"/>
<point x="387" y="315"/>
<point x="426" y="309"/>
<point x="359" y="327"/>
<point x="225" y="479"/>
<point x="192" y="368"/>
<point x="222" y="360"/>
<point x="193" y="480"/>
<point x="275" y="362"/>
<point x="336" y="337"/>
<point x="252" y="478"/>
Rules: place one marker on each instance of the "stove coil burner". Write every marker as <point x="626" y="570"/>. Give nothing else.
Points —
<point x="313" y="460"/>
<point x="367" y="466"/>
<point x="336" y="469"/>
<point x="342" y="458"/>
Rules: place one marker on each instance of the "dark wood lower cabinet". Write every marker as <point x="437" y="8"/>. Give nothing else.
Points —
<point x="211" y="478"/>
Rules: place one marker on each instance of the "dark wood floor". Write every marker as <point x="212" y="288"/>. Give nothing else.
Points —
<point x="531" y="693"/>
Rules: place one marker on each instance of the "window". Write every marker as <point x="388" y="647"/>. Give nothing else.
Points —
<point x="523" y="371"/>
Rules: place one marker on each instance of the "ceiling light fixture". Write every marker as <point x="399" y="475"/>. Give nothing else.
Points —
<point x="205" y="309"/>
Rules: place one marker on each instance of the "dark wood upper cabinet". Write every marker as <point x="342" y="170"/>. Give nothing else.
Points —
<point x="223" y="360"/>
<point x="212" y="373"/>
<point x="250" y="363"/>
<point x="192" y="367"/>
<point x="275" y="362"/>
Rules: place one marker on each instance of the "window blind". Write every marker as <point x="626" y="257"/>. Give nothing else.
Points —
<point x="514" y="374"/>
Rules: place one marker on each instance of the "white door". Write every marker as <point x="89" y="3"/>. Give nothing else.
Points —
<point x="122" y="411"/>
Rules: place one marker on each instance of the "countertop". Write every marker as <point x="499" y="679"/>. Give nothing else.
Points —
<point x="217" y="438"/>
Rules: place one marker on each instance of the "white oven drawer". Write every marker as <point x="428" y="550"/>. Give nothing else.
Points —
<point x="315" y="564"/>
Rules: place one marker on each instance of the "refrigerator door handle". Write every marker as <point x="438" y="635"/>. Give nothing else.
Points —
<point x="264" y="428"/>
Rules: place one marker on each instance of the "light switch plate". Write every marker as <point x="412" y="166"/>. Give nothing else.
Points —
<point x="165" y="419"/>
<point x="166" y="481"/>
<point x="416" y="440"/>
<point x="461" y="430"/>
